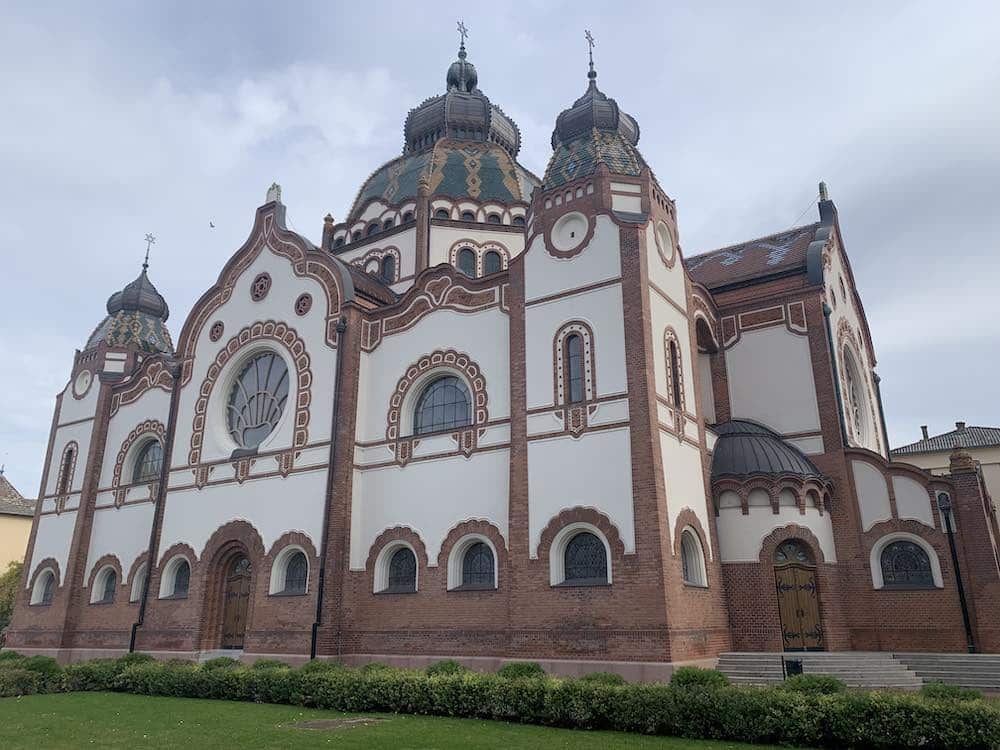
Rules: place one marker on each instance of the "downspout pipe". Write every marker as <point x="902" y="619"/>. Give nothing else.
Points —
<point x="335" y="420"/>
<point x="945" y="506"/>
<point x="881" y="412"/>
<point x="833" y="367"/>
<point x="161" y="494"/>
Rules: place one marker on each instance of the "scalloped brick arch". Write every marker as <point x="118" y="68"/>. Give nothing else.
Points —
<point x="791" y="531"/>
<point x="268" y="330"/>
<point x="394" y="534"/>
<point x="474" y="526"/>
<point x="140" y="431"/>
<point x="580" y="514"/>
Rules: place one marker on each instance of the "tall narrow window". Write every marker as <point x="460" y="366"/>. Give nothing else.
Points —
<point x="388" y="269"/>
<point x="492" y="262"/>
<point x="477" y="567"/>
<point x="467" y="262"/>
<point x="182" y="580"/>
<point x="66" y="475"/>
<point x="107" y="590"/>
<point x="148" y="463"/>
<point x="574" y="368"/>
<point x="296" y="573"/>
<point x="675" y="373"/>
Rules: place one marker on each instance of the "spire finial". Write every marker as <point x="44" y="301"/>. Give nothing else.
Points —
<point x="591" y="74"/>
<point x="463" y="32"/>
<point x="824" y="192"/>
<point x="150" y="239"/>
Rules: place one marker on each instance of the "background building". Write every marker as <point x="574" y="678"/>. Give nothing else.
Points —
<point x="15" y="523"/>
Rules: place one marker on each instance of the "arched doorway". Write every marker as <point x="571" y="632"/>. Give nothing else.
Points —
<point x="798" y="597"/>
<point x="235" y="602"/>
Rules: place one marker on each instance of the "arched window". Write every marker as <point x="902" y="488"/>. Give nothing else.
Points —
<point x="296" y="573"/>
<point x="402" y="571"/>
<point x="388" y="269"/>
<point x="468" y="216"/>
<point x="442" y="213"/>
<point x="339" y="242"/>
<point x="467" y="262"/>
<point x="373" y="229"/>
<point x="182" y="580"/>
<point x="356" y="235"/>
<point x="493" y="219"/>
<point x="407" y="217"/>
<point x="148" y="463"/>
<point x="906" y="565"/>
<point x="574" y="368"/>
<point x="138" y="584"/>
<point x="675" y="373"/>
<point x="586" y="561"/>
<point x="492" y="263"/>
<point x="442" y="405"/>
<point x="104" y="587"/>
<point x="518" y="221"/>
<point x="44" y="589"/>
<point x="857" y="404"/>
<point x="387" y="225"/>
<point x="176" y="579"/>
<point x="66" y="471"/>
<point x="793" y="551"/>
<point x="257" y="399"/>
<point x="478" y="567"/>
<point x="692" y="559"/>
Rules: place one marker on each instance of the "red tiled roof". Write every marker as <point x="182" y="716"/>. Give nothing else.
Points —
<point x="749" y="260"/>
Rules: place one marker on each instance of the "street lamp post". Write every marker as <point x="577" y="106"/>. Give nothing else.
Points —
<point x="944" y="505"/>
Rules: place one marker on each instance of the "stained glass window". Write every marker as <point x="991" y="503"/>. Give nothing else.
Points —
<point x="792" y="551"/>
<point x="257" y="399"/>
<point x="444" y="404"/>
<point x="906" y="565"/>
<point x="574" y="368"/>
<point x="402" y="571"/>
<point x="108" y="583"/>
<point x="586" y="560"/>
<point x="295" y="574"/>
<point x="477" y="566"/>
<point x="467" y="262"/>
<point x="388" y="269"/>
<point x="691" y="559"/>
<point x="148" y="462"/>
<point x="492" y="263"/>
<point x="48" y="590"/>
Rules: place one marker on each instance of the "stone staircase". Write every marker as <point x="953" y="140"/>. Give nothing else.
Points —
<point x="980" y="671"/>
<point x="854" y="668"/>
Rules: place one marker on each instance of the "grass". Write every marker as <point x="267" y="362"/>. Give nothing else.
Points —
<point x="113" y="720"/>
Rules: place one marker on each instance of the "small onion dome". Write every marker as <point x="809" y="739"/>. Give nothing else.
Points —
<point x="137" y="317"/>
<point x="462" y="74"/>
<point x="746" y="448"/>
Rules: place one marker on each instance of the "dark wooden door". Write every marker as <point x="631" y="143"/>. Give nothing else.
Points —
<point x="798" y="607"/>
<point x="235" y="602"/>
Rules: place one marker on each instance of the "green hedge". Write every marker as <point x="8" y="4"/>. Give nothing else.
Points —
<point x="694" y="710"/>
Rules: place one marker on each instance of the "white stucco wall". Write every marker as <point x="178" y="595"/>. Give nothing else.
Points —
<point x="741" y="537"/>
<point x="123" y="532"/>
<point x="873" y="494"/>
<point x="545" y="274"/>
<point x="912" y="500"/>
<point x="684" y="481"/>
<point x="153" y="404"/>
<point x="55" y="533"/>
<point x="771" y="380"/>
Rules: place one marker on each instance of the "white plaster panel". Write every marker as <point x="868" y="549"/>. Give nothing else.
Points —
<point x="705" y="382"/>
<point x="602" y="310"/>
<point x="811" y="446"/>
<point x="543" y="422"/>
<point x="481" y="335"/>
<point x="663" y="315"/>
<point x="153" y="404"/>
<point x="443" y="238"/>
<point x="741" y="536"/>
<point x="241" y="311"/>
<point x="545" y="274"/>
<point x="629" y="203"/>
<point x="671" y="281"/>
<point x="64" y="436"/>
<point x="55" y="533"/>
<point x="272" y="506"/>
<point x="610" y="412"/>
<point x="771" y="380"/>
<point x="912" y="500"/>
<point x="593" y="471"/>
<point x="71" y="409"/>
<point x="684" y="481"/>
<point x="873" y="494"/>
<point x="123" y="532"/>
<point x="430" y="497"/>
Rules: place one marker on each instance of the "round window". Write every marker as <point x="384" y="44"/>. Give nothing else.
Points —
<point x="664" y="242"/>
<point x="569" y="231"/>
<point x="257" y="399"/>
<point x="82" y="383"/>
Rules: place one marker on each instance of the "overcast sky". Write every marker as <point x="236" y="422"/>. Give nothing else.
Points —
<point x="121" y="119"/>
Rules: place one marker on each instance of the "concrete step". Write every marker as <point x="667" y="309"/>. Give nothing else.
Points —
<point x="864" y="670"/>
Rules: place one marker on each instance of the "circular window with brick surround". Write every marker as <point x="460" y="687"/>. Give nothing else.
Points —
<point x="569" y="231"/>
<point x="260" y="287"/>
<point x="303" y="304"/>
<point x="82" y="383"/>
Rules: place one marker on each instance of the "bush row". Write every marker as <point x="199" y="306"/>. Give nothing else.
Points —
<point x="697" y="705"/>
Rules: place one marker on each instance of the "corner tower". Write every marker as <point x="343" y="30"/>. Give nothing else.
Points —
<point x="611" y="376"/>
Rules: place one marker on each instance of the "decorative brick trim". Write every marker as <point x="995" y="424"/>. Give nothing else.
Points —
<point x="154" y="373"/>
<point x="260" y="331"/>
<point x="792" y="531"/>
<point x="687" y="518"/>
<point x="575" y="415"/>
<point x="49" y="563"/>
<point x="136" y="568"/>
<point x="64" y="479"/>
<point x="150" y="427"/>
<point x="791" y="315"/>
<point x="260" y="287"/>
<point x="216" y="331"/>
<point x="447" y="359"/>
<point x="395" y="534"/>
<point x="580" y="514"/>
<point x="303" y="304"/>
<point x="270" y="233"/>
<point x="480" y="249"/>
<point x="675" y="391"/>
<point x="667" y="255"/>
<point x="238" y="532"/>
<point x="546" y="223"/>
<point x="440" y="288"/>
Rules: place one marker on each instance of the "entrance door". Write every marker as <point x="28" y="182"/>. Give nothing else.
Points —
<point x="235" y="601"/>
<point x="798" y="597"/>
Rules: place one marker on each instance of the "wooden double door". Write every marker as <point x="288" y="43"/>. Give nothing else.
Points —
<point x="236" y="603"/>
<point x="798" y="598"/>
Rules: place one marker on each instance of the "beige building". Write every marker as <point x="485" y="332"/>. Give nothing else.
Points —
<point x="15" y="523"/>
<point x="932" y="451"/>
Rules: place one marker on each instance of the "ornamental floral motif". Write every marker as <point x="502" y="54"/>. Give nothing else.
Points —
<point x="260" y="287"/>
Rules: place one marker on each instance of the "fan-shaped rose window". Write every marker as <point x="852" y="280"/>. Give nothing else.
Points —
<point x="257" y="399"/>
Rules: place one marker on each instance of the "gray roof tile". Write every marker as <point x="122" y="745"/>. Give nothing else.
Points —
<point x="967" y="437"/>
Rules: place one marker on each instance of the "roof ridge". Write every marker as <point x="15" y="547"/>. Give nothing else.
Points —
<point x="755" y="239"/>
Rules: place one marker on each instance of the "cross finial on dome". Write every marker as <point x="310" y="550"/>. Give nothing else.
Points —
<point x="463" y="31"/>
<point x="591" y="74"/>
<point x="150" y="239"/>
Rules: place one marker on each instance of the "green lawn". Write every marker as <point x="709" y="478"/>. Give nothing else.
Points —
<point x="112" y="720"/>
